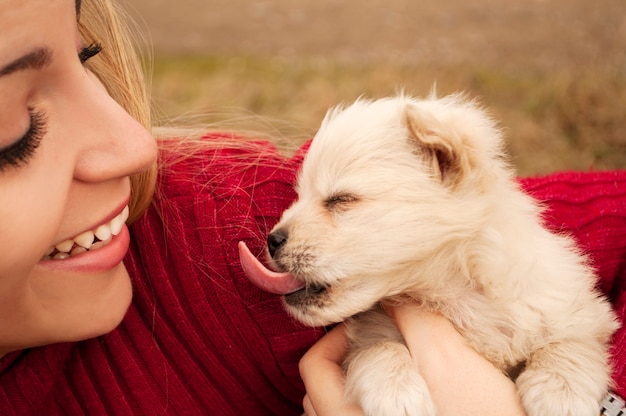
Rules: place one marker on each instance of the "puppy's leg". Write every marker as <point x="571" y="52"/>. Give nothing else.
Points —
<point x="383" y="379"/>
<point x="565" y="378"/>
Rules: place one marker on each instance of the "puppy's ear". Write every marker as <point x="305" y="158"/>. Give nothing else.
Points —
<point x="440" y="146"/>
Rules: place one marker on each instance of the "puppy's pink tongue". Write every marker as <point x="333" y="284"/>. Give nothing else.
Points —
<point x="261" y="276"/>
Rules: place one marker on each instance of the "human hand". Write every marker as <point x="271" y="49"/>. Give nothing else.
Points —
<point x="323" y="377"/>
<point x="461" y="382"/>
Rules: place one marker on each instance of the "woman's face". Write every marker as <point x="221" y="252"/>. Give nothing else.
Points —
<point x="66" y="151"/>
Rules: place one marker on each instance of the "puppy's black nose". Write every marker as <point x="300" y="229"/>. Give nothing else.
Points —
<point x="275" y="241"/>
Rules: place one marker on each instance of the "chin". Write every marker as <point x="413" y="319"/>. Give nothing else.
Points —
<point x="55" y="308"/>
<point x="93" y="308"/>
<point x="109" y="309"/>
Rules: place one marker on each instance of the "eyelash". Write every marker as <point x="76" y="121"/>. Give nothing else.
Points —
<point x="89" y="52"/>
<point x="18" y="153"/>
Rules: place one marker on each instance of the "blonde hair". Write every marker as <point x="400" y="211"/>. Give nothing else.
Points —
<point x="119" y="68"/>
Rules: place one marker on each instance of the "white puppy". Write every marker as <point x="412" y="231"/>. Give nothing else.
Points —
<point x="405" y="197"/>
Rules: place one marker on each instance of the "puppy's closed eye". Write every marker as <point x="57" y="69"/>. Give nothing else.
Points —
<point x="340" y="201"/>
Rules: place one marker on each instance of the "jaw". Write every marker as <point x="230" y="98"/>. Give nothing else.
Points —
<point x="314" y="316"/>
<point x="322" y="306"/>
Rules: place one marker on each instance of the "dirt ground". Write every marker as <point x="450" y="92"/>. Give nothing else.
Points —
<point x="541" y="34"/>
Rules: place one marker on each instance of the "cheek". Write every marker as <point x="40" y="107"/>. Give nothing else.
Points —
<point x="29" y="220"/>
<point x="368" y="239"/>
<point x="33" y="201"/>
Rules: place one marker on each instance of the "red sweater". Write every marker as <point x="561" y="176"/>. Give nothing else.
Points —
<point x="200" y="339"/>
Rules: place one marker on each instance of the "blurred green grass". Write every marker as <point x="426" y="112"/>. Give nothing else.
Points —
<point x="559" y="120"/>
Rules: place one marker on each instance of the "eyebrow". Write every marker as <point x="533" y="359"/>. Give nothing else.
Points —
<point x="37" y="59"/>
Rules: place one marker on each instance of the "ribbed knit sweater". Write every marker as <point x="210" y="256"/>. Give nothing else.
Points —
<point x="199" y="338"/>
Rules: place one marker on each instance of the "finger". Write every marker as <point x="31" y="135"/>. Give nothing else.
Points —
<point x="323" y="377"/>
<point x="401" y="313"/>
<point x="321" y="372"/>
<point x="418" y="325"/>
<point x="404" y="316"/>
<point x="308" y="407"/>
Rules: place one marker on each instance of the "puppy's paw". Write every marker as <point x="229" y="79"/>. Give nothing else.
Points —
<point x="563" y="380"/>
<point x="384" y="381"/>
<point x="413" y="399"/>
<point x="543" y="396"/>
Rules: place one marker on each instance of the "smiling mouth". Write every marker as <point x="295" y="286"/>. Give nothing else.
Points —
<point x="89" y="240"/>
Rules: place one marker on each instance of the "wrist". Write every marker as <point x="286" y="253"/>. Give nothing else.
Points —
<point x="434" y="340"/>
<point x="460" y="381"/>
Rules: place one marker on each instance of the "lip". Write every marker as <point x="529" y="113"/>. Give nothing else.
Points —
<point x="307" y="292"/>
<point x="101" y="259"/>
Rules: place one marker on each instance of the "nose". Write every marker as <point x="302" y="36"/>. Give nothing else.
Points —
<point x="275" y="241"/>
<point x="115" y="144"/>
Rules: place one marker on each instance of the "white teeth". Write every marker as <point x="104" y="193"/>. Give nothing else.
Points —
<point x="85" y="241"/>
<point x="103" y="232"/>
<point x="118" y="222"/>
<point x="65" y="246"/>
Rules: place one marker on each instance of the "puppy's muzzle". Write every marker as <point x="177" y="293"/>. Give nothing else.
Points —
<point x="275" y="241"/>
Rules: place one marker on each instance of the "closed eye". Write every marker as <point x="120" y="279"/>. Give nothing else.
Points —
<point x="340" y="201"/>
<point x="18" y="153"/>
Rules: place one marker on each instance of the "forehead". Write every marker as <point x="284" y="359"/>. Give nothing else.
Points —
<point x="13" y="9"/>
<point x="36" y="38"/>
<point x="32" y="23"/>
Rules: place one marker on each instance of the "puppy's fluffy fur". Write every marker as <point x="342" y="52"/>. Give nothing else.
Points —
<point x="409" y="197"/>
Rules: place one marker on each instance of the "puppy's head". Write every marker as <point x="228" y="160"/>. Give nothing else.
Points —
<point x="386" y="186"/>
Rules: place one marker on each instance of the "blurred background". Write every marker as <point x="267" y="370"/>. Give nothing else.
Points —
<point x="552" y="72"/>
